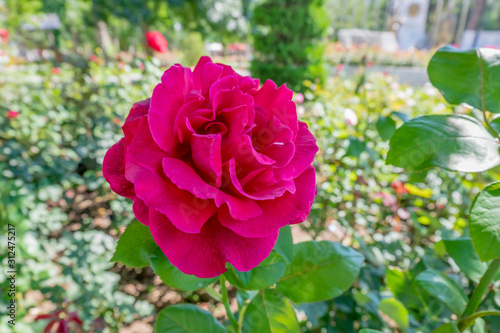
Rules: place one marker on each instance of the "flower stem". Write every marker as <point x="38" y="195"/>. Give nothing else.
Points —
<point x="212" y="292"/>
<point x="468" y="321"/>
<point x="480" y="291"/>
<point x="225" y="301"/>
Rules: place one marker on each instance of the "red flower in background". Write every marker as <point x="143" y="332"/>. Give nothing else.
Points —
<point x="12" y="114"/>
<point x="93" y="58"/>
<point x="62" y="319"/>
<point x="156" y="41"/>
<point x="4" y="35"/>
<point x="399" y="187"/>
<point x="56" y="70"/>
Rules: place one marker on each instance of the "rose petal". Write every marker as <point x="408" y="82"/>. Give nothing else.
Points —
<point x="138" y="110"/>
<point x="141" y="211"/>
<point x="281" y="153"/>
<point x="114" y="172"/>
<point x="205" y="254"/>
<point x="206" y="154"/>
<point x="267" y="192"/>
<point x="305" y="149"/>
<point x="278" y="212"/>
<point x="278" y="102"/>
<point x="209" y="74"/>
<point x="144" y="150"/>
<point x="182" y="175"/>
<point x="168" y="98"/>
<point x="187" y="212"/>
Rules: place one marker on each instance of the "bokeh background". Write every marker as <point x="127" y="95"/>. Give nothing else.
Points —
<point x="70" y="71"/>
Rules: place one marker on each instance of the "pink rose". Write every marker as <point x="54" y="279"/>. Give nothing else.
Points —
<point x="215" y="167"/>
<point x="12" y="114"/>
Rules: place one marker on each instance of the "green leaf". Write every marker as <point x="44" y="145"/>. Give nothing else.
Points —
<point x="495" y="123"/>
<point x="386" y="127"/>
<point x="400" y="286"/>
<point x="284" y="244"/>
<point x="270" y="312"/>
<point x="443" y="288"/>
<point x="264" y="275"/>
<point x="135" y="246"/>
<point x="173" y="277"/>
<point x="484" y="222"/>
<point x="356" y="147"/>
<point x="187" y="318"/>
<point x="367" y="330"/>
<point x="395" y="310"/>
<point x="314" y="274"/>
<point x="467" y="76"/>
<point x="447" y="328"/>
<point x="453" y="142"/>
<point x="462" y="252"/>
<point x="479" y="326"/>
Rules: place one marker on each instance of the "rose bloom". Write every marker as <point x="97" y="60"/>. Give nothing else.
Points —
<point x="156" y="41"/>
<point x="4" y="35"/>
<point x="12" y="114"/>
<point x="215" y="166"/>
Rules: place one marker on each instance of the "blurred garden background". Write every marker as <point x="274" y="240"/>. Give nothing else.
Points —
<point x="71" y="69"/>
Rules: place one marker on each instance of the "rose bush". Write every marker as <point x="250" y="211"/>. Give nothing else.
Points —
<point x="215" y="165"/>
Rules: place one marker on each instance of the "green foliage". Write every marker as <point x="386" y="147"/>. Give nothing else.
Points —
<point x="135" y="246"/>
<point x="312" y="276"/>
<point x="173" y="277"/>
<point x="266" y="274"/>
<point x="270" y="312"/>
<point x="484" y="222"/>
<point x="467" y="77"/>
<point x="443" y="288"/>
<point x="289" y="49"/>
<point x="461" y="251"/>
<point x="186" y="318"/>
<point x="453" y="142"/>
<point x="461" y="143"/>
<point x="284" y="244"/>
<point x="396" y="311"/>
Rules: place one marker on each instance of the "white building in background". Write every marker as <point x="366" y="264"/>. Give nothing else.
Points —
<point x="410" y="21"/>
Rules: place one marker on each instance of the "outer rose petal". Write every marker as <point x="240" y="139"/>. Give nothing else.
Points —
<point x="186" y="212"/>
<point x="113" y="170"/>
<point x="138" y="110"/>
<point x="141" y="211"/>
<point x="205" y="254"/>
<point x="305" y="149"/>
<point x="143" y="150"/>
<point x="277" y="212"/>
<point x="168" y="98"/>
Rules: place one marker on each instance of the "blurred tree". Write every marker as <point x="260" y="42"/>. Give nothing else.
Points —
<point x="288" y="41"/>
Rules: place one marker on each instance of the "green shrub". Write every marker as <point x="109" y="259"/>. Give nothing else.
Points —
<point x="287" y="38"/>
